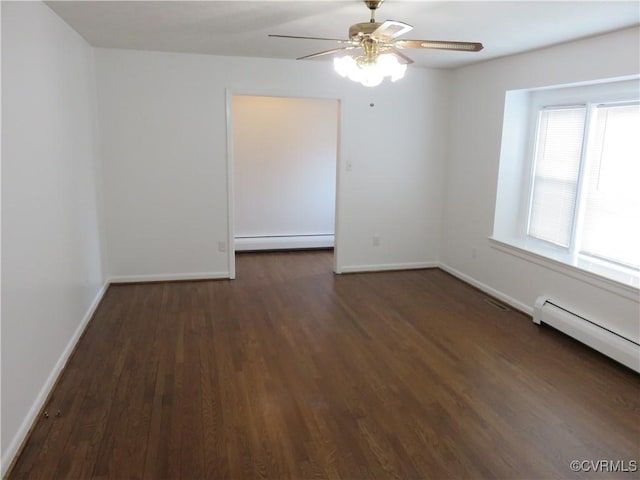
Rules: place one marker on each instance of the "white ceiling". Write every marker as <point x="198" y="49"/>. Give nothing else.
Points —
<point x="240" y="27"/>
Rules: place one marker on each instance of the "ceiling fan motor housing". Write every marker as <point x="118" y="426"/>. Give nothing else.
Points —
<point x="359" y="30"/>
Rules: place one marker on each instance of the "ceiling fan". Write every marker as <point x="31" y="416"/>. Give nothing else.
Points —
<point x="379" y="48"/>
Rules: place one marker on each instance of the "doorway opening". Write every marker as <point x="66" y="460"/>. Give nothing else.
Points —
<point x="283" y="173"/>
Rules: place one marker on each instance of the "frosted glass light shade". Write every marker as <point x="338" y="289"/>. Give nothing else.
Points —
<point x="370" y="73"/>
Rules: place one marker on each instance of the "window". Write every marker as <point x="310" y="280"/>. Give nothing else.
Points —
<point x="611" y="225"/>
<point x="586" y="183"/>
<point x="557" y="168"/>
<point x="569" y="180"/>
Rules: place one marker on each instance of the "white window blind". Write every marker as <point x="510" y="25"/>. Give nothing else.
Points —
<point x="611" y="213"/>
<point x="557" y="169"/>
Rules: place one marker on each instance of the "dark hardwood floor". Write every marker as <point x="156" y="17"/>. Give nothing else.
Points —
<point x="293" y="372"/>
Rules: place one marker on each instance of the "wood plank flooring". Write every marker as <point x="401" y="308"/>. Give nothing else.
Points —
<point x="291" y="372"/>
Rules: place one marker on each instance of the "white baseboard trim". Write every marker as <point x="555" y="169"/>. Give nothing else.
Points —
<point x="168" y="277"/>
<point x="387" y="266"/>
<point x="518" y="305"/>
<point x="284" y="242"/>
<point x="21" y="435"/>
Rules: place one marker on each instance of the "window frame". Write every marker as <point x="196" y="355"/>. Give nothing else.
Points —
<point x="590" y="97"/>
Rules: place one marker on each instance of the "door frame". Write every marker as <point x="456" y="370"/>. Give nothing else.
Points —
<point x="230" y="93"/>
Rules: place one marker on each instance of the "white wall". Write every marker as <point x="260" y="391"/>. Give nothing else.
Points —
<point x="284" y="154"/>
<point x="163" y="133"/>
<point x="51" y="248"/>
<point x="472" y="173"/>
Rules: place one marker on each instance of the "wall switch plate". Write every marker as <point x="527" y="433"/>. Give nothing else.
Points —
<point x="222" y="247"/>
<point x="376" y="240"/>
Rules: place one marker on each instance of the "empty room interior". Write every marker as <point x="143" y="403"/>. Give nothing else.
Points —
<point x="320" y="239"/>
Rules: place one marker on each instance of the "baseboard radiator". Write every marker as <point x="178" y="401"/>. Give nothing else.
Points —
<point x="283" y="242"/>
<point x="611" y="344"/>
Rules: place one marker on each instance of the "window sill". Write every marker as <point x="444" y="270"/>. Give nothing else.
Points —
<point x="617" y="282"/>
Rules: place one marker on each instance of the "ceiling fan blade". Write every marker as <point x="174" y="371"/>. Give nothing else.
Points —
<point x="401" y="55"/>
<point x="390" y="29"/>
<point x="326" y="52"/>
<point x="439" y="45"/>
<point x="341" y="40"/>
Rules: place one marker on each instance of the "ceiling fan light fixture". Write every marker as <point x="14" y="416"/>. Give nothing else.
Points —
<point x="369" y="72"/>
<point x="381" y="49"/>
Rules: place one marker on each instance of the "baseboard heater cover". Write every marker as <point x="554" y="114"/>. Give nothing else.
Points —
<point x="609" y="343"/>
<point x="283" y="242"/>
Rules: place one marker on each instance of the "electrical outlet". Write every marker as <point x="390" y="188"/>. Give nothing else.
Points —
<point x="222" y="247"/>
<point x="376" y="240"/>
